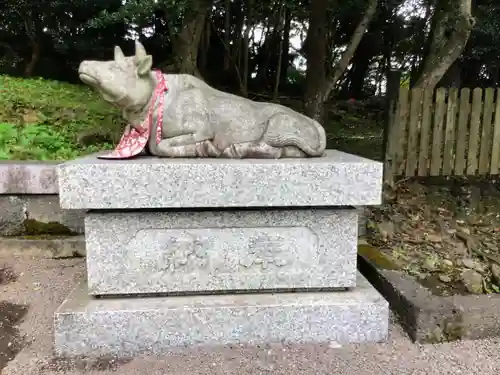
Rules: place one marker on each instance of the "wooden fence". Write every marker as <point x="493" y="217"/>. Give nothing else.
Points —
<point x="446" y="132"/>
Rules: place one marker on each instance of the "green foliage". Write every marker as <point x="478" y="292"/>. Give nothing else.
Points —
<point x="43" y="120"/>
<point x="485" y="38"/>
<point x="39" y="142"/>
<point x="139" y="11"/>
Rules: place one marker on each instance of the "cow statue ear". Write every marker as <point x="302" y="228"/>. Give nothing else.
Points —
<point x="144" y="65"/>
<point x="143" y="61"/>
<point x="119" y="56"/>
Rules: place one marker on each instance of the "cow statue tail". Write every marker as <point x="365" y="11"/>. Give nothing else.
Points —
<point x="300" y="131"/>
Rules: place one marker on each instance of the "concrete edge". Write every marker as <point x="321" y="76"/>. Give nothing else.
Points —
<point x="51" y="248"/>
<point x="28" y="177"/>
<point x="431" y="319"/>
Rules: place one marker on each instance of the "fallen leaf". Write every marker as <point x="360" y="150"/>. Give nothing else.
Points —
<point x="445" y="278"/>
<point x="434" y="237"/>
<point x="464" y="230"/>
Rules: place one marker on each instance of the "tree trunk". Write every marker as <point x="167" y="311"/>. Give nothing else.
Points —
<point x="32" y="32"/>
<point x="237" y="38"/>
<point x="187" y="43"/>
<point x="358" y="76"/>
<point x="420" y="48"/>
<point x="246" y="42"/>
<point x="35" y="57"/>
<point x="227" y="31"/>
<point x="264" y="60"/>
<point x="360" y="65"/>
<point x="388" y="36"/>
<point x="494" y="75"/>
<point x="280" y="53"/>
<point x="452" y="77"/>
<point x="452" y="24"/>
<point x="351" y="48"/>
<point x="285" y="48"/>
<point x="268" y="49"/>
<point x="315" y="48"/>
<point x="318" y="84"/>
<point x="205" y="47"/>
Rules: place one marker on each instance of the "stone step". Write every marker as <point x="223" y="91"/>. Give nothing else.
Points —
<point x="128" y="327"/>
<point x="337" y="179"/>
<point x="200" y="251"/>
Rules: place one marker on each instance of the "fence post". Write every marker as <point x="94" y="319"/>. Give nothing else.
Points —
<point x="392" y="93"/>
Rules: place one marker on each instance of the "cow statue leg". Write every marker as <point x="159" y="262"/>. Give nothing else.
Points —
<point x="203" y="149"/>
<point x="197" y="143"/>
<point x="260" y="150"/>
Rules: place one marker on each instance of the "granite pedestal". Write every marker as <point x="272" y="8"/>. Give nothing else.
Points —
<point x="186" y="251"/>
<point x="213" y="252"/>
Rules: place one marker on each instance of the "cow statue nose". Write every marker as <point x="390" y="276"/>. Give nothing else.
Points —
<point x="83" y="66"/>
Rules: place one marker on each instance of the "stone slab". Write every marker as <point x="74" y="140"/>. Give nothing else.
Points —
<point x="428" y="318"/>
<point x="128" y="327"/>
<point x="40" y="208"/>
<point x="55" y="247"/>
<point x="197" y="251"/>
<point x="338" y="179"/>
<point x="28" y="177"/>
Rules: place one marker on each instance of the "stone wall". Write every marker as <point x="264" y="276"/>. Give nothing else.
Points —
<point x="29" y="204"/>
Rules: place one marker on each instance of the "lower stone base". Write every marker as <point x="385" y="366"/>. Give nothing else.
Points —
<point x="126" y="327"/>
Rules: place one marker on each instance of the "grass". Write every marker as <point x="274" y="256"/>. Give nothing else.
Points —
<point x="45" y="120"/>
<point x="49" y="120"/>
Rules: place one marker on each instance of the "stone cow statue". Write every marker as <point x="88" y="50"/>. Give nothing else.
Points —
<point x="179" y="115"/>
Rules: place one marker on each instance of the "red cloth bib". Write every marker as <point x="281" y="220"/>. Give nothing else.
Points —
<point x="134" y="141"/>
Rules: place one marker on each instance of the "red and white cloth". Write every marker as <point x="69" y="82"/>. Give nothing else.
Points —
<point x="134" y="141"/>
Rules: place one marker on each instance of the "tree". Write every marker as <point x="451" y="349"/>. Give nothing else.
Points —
<point x="245" y="46"/>
<point x="451" y="27"/>
<point x="321" y="78"/>
<point x="185" y="22"/>
<point x="32" y="32"/>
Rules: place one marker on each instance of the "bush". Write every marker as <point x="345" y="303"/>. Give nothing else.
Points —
<point x="45" y="120"/>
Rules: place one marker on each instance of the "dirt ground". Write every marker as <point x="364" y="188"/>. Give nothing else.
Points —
<point x="43" y="284"/>
<point x="446" y="234"/>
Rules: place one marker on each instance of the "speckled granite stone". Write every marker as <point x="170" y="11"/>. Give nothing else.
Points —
<point x="338" y="179"/>
<point x="136" y="326"/>
<point x="162" y="252"/>
<point x="28" y="177"/>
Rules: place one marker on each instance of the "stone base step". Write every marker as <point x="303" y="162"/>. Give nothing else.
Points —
<point x="125" y="327"/>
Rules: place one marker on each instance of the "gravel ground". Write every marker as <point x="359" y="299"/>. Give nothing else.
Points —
<point x="43" y="284"/>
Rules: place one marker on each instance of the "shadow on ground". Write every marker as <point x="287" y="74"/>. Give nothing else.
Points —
<point x="11" y="341"/>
